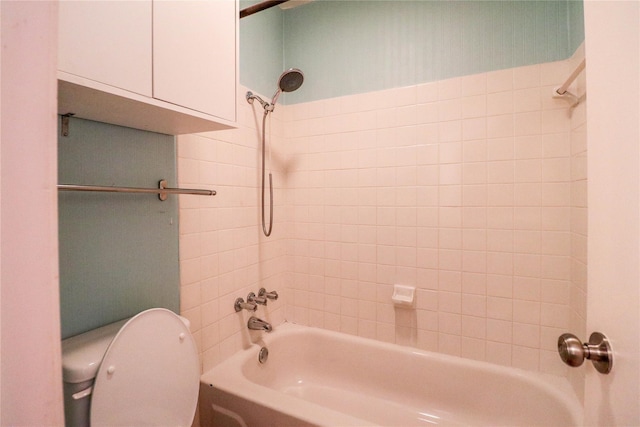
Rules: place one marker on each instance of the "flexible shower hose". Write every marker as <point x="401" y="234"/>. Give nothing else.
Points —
<point x="267" y="232"/>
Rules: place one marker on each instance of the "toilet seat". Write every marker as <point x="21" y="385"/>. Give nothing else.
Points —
<point x="149" y="375"/>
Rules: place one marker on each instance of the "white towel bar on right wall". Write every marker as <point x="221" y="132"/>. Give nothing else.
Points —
<point x="563" y="91"/>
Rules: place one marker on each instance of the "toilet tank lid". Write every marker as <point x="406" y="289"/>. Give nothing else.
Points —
<point x="82" y="354"/>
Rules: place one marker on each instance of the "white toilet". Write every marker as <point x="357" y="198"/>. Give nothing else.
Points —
<point x="143" y="371"/>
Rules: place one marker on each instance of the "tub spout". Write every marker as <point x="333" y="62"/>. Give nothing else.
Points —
<point x="259" y="324"/>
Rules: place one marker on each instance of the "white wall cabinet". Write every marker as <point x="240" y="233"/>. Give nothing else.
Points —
<point x="195" y="33"/>
<point x="168" y="66"/>
<point x="109" y="42"/>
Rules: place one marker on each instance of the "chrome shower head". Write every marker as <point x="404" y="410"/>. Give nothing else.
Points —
<point x="288" y="81"/>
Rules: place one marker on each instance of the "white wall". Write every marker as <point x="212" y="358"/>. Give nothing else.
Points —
<point x="613" y="135"/>
<point x="30" y="334"/>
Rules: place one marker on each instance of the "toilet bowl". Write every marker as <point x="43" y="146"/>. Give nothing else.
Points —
<point x="143" y="371"/>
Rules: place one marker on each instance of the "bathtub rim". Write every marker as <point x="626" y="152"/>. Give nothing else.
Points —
<point x="226" y="376"/>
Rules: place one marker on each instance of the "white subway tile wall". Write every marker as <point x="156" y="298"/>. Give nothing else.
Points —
<point x="471" y="189"/>
<point x="446" y="190"/>
<point x="223" y="254"/>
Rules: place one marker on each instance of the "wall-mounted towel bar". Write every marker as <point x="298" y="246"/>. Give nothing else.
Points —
<point x="574" y="75"/>
<point x="162" y="191"/>
<point x="562" y="92"/>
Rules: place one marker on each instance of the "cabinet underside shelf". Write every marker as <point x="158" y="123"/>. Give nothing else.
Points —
<point x="90" y="100"/>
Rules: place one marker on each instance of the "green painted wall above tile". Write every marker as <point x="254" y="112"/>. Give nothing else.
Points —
<point x="347" y="47"/>
<point x="118" y="252"/>
<point x="261" y="48"/>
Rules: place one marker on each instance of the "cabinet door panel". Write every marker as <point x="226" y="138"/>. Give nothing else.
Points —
<point x="194" y="55"/>
<point x="107" y="41"/>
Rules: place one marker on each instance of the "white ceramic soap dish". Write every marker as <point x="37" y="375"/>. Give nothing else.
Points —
<point x="403" y="296"/>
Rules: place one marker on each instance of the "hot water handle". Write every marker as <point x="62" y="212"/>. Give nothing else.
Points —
<point x="273" y="295"/>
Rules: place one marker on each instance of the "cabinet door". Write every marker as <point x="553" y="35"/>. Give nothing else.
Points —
<point x="108" y="42"/>
<point x="194" y="55"/>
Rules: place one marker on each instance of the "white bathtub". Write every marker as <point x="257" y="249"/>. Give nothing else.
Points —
<point x="323" y="378"/>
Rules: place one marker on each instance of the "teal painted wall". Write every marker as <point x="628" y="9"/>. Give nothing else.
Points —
<point x="261" y="49"/>
<point x="348" y="47"/>
<point x="576" y="23"/>
<point x="118" y="252"/>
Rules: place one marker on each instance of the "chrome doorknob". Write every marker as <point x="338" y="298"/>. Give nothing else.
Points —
<point x="573" y="352"/>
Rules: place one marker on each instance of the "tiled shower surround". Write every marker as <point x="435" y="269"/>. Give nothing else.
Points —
<point x="471" y="189"/>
